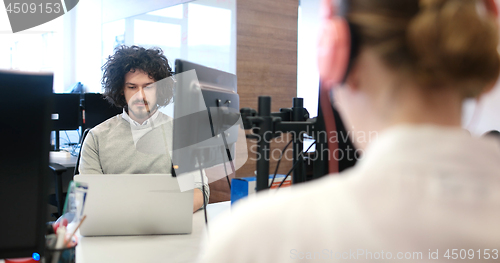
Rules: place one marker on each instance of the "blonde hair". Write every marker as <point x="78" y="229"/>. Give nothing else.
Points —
<point x="437" y="42"/>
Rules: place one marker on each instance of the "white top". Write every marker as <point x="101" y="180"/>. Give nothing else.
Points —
<point x="419" y="189"/>
<point x="148" y="122"/>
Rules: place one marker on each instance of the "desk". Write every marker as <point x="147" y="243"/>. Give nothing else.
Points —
<point x="62" y="162"/>
<point x="61" y="158"/>
<point x="159" y="248"/>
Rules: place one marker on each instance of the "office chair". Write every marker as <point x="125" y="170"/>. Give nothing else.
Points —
<point x="75" y="172"/>
<point x="57" y="200"/>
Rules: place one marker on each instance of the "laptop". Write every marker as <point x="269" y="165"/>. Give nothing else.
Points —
<point x="135" y="204"/>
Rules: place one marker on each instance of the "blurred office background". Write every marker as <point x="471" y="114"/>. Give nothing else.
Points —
<point x="269" y="45"/>
<point x="75" y="45"/>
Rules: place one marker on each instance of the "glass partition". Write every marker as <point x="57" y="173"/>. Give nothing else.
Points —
<point x="202" y="31"/>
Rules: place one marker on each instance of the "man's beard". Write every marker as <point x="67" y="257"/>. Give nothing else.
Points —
<point x="142" y="112"/>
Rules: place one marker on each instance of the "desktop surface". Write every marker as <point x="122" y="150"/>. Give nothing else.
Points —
<point x="63" y="158"/>
<point x="151" y="248"/>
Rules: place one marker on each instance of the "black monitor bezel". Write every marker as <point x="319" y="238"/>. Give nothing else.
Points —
<point x="39" y="85"/>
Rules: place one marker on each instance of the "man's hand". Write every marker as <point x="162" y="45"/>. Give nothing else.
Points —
<point x="197" y="199"/>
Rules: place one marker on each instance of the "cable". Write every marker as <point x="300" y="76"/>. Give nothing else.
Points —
<point x="293" y="167"/>
<point x="76" y="150"/>
<point x="279" y="161"/>
<point x="203" y="190"/>
<point x="67" y="136"/>
<point x="72" y="145"/>
<point x="228" y="152"/>
<point x="225" y="169"/>
<point x="80" y="133"/>
<point x="228" y="182"/>
<point x="65" y="141"/>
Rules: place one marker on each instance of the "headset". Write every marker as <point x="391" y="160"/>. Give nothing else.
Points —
<point x="335" y="51"/>
<point x="337" y="48"/>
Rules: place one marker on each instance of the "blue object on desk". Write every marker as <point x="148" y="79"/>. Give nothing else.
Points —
<point x="239" y="188"/>
<point x="243" y="187"/>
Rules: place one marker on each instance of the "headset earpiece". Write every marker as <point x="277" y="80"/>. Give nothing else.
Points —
<point x="334" y="49"/>
<point x="492" y="7"/>
<point x="334" y="53"/>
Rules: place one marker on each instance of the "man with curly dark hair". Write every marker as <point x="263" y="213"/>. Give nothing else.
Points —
<point x="139" y="81"/>
<point x="134" y="62"/>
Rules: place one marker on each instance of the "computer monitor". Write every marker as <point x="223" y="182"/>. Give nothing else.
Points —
<point x="206" y="113"/>
<point x="66" y="111"/>
<point x="65" y="114"/>
<point x="24" y="159"/>
<point x="96" y="110"/>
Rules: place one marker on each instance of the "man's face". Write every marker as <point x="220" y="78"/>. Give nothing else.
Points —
<point x="140" y="94"/>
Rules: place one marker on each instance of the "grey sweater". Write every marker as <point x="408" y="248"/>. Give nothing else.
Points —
<point x="117" y="146"/>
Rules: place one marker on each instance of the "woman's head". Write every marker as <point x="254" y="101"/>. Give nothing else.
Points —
<point x="428" y="47"/>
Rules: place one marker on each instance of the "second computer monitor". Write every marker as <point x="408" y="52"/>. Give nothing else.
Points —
<point x="206" y="113"/>
<point x="66" y="111"/>
<point x="96" y="110"/>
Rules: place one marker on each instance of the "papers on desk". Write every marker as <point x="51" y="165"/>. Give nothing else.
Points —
<point x="60" y="155"/>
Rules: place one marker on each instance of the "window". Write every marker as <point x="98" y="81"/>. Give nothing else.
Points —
<point x="203" y="32"/>
<point x="37" y="49"/>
